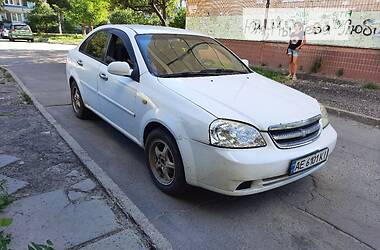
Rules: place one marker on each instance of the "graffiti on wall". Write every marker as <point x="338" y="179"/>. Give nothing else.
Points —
<point x="319" y="24"/>
<point x="332" y="26"/>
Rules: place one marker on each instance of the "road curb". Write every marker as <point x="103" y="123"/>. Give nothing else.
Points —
<point x="369" y="120"/>
<point x="155" y="238"/>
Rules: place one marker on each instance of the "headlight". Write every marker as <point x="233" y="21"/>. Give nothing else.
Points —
<point x="325" y="117"/>
<point x="231" y="134"/>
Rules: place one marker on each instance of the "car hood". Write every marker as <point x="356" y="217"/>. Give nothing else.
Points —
<point x="250" y="98"/>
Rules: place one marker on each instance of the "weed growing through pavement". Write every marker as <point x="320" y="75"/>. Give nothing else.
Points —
<point x="48" y="246"/>
<point x="26" y="98"/>
<point x="316" y="67"/>
<point x="339" y="72"/>
<point x="5" y="238"/>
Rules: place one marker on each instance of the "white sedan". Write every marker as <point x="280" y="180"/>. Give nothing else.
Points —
<point x="202" y="115"/>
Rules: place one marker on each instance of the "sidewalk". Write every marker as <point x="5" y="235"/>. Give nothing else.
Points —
<point x="53" y="197"/>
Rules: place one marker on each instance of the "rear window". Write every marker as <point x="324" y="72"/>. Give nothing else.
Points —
<point x="21" y="27"/>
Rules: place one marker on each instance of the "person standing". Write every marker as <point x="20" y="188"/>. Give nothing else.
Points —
<point x="297" y="41"/>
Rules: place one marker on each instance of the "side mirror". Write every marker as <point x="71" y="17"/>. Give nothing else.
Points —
<point x="119" y="68"/>
<point x="246" y="62"/>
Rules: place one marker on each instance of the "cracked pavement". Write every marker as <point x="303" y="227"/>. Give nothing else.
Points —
<point x="54" y="197"/>
<point x="335" y="208"/>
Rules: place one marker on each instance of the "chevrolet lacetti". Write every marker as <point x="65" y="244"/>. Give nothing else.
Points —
<point x="202" y="115"/>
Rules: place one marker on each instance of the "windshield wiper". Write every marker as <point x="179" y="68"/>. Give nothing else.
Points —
<point x="188" y="74"/>
<point x="205" y="72"/>
<point x="219" y="71"/>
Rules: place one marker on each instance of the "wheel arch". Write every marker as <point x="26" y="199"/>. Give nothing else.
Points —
<point x="152" y="125"/>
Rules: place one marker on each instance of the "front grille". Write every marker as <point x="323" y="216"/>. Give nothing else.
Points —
<point x="296" y="134"/>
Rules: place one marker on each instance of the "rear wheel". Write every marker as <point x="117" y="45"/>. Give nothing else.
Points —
<point x="11" y="39"/>
<point x="77" y="103"/>
<point x="165" y="162"/>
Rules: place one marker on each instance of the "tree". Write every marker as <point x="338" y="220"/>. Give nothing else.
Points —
<point x="130" y="16"/>
<point x="42" y="18"/>
<point x="89" y="12"/>
<point x="161" y="8"/>
<point x="60" y="7"/>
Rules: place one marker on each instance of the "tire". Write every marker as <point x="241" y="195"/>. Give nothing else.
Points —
<point x="32" y="40"/>
<point x="173" y="182"/>
<point x="77" y="103"/>
<point x="11" y="39"/>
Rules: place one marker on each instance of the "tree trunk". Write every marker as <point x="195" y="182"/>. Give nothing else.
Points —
<point x="83" y="29"/>
<point x="159" y="14"/>
<point x="60" y="21"/>
<point x="91" y="25"/>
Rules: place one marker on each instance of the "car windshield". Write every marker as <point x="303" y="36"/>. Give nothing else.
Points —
<point x="7" y="26"/>
<point x="21" y="27"/>
<point x="172" y="55"/>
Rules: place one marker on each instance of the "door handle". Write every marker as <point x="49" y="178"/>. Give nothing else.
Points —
<point x="103" y="76"/>
<point x="80" y="62"/>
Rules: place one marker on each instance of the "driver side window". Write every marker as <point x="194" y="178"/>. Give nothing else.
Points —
<point x="117" y="52"/>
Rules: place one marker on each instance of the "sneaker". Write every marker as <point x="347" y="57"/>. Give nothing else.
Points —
<point x="289" y="76"/>
<point x="294" y="78"/>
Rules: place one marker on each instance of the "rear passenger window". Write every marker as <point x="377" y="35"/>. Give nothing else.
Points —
<point x="96" y="45"/>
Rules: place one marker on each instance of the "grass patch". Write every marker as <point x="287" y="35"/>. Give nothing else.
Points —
<point x="26" y="98"/>
<point x="59" y="39"/>
<point x="276" y="76"/>
<point x="371" y="86"/>
<point x="5" y="200"/>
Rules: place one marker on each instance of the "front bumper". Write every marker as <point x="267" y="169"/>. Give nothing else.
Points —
<point x="223" y="170"/>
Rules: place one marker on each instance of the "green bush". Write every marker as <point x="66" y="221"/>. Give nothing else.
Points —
<point x="179" y="20"/>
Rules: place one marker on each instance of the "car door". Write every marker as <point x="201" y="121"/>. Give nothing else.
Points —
<point x="117" y="94"/>
<point x="90" y="56"/>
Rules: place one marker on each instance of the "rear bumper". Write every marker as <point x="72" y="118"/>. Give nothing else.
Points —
<point x="223" y="170"/>
<point x="23" y="37"/>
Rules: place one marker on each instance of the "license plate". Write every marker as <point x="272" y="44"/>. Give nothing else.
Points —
<point x="308" y="161"/>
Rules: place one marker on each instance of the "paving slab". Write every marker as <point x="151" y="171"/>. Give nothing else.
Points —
<point x="123" y="240"/>
<point x="6" y="160"/>
<point x="50" y="216"/>
<point x="13" y="185"/>
<point x="85" y="185"/>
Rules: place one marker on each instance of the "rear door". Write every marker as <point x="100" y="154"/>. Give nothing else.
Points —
<point x="117" y="94"/>
<point x="88" y="60"/>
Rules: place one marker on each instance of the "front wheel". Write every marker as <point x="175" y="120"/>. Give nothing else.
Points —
<point x="165" y="162"/>
<point x="77" y="103"/>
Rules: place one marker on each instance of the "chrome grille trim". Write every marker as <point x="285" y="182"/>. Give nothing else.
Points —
<point x="296" y="134"/>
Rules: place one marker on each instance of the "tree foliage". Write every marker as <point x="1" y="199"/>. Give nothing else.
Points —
<point x="130" y="16"/>
<point x="42" y="18"/>
<point x="89" y="12"/>
<point x="161" y="8"/>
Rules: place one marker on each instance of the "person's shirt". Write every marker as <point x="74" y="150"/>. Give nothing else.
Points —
<point x="296" y="39"/>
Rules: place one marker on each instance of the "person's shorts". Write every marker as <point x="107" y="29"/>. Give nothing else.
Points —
<point x="293" y="52"/>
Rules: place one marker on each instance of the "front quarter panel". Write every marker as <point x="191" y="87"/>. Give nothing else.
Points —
<point x="186" y="121"/>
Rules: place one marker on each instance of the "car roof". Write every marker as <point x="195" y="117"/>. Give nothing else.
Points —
<point x="151" y="29"/>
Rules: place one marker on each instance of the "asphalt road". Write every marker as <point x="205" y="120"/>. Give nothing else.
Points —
<point x="337" y="207"/>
